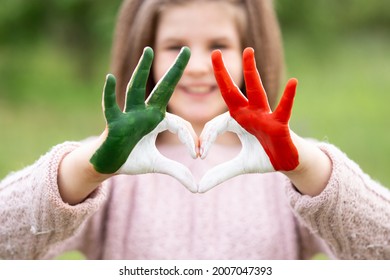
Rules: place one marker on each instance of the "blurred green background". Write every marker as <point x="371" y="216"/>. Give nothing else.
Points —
<point x="54" y="56"/>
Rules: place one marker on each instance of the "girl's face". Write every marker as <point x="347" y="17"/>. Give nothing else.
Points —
<point x="203" y="27"/>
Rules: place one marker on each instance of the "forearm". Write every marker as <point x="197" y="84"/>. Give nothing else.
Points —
<point x="33" y="216"/>
<point x="314" y="169"/>
<point x="77" y="178"/>
<point x="352" y="213"/>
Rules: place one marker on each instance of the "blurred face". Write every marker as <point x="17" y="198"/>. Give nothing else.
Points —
<point x="203" y="27"/>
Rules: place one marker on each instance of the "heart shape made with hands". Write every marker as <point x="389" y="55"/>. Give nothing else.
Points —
<point x="264" y="135"/>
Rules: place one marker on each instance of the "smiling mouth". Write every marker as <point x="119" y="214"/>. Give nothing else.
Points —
<point x="198" y="90"/>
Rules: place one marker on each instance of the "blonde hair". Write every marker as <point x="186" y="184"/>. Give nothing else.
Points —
<point x="137" y="22"/>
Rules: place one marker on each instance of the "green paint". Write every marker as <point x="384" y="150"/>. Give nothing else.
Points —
<point x="140" y="117"/>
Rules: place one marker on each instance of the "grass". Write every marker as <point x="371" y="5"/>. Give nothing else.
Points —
<point x="343" y="97"/>
<point x="43" y="102"/>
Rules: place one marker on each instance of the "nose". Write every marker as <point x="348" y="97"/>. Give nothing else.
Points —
<point x="199" y="63"/>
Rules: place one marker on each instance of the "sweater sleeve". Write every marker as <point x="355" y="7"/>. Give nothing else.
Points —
<point x="352" y="214"/>
<point x="33" y="216"/>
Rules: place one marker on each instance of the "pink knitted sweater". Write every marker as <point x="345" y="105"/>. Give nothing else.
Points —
<point x="152" y="216"/>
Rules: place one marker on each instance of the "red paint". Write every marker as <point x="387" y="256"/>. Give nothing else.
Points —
<point x="254" y="114"/>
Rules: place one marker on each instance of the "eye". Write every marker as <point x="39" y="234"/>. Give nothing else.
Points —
<point x="173" y="47"/>
<point x="219" y="46"/>
<point x="170" y="45"/>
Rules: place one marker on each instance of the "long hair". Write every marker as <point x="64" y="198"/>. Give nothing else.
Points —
<point x="136" y="26"/>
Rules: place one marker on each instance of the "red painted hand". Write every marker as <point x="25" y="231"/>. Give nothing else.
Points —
<point x="271" y="129"/>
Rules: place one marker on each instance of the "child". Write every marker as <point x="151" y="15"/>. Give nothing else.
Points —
<point x="92" y="197"/>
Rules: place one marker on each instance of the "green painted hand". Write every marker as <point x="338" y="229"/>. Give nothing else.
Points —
<point x="130" y="144"/>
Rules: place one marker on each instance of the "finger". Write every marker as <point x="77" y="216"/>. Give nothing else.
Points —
<point x="183" y="130"/>
<point x="254" y="88"/>
<point x="176" y="170"/>
<point x="284" y="109"/>
<point x="135" y="92"/>
<point x="163" y="90"/>
<point x="232" y="95"/>
<point x="210" y="132"/>
<point x="221" y="173"/>
<point x="110" y="107"/>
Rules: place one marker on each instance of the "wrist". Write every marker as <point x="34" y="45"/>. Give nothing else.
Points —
<point x="312" y="174"/>
<point x="77" y="178"/>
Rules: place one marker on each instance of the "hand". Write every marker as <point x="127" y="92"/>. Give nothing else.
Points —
<point x="243" y="163"/>
<point x="129" y="147"/>
<point x="265" y="135"/>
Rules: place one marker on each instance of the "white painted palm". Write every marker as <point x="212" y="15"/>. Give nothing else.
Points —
<point x="244" y="162"/>
<point x="146" y="158"/>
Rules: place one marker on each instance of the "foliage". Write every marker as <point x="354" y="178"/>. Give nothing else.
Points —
<point x="322" y="18"/>
<point x="70" y="21"/>
<point x="86" y="24"/>
<point x="82" y="28"/>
